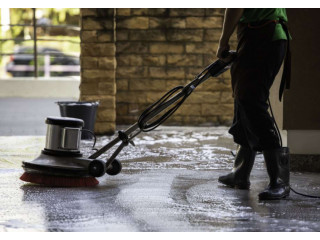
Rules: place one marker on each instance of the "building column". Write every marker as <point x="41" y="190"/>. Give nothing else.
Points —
<point x="301" y="116"/>
<point x="98" y="64"/>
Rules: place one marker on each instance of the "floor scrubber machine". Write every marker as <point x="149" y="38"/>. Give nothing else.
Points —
<point x="61" y="162"/>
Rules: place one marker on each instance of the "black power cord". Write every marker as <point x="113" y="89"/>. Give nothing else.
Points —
<point x="164" y="102"/>
<point x="94" y="136"/>
<point x="275" y="124"/>
<point x="280" y="140"/>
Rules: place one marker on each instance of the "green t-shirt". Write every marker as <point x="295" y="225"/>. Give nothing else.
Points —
<point x="260" y="14"/>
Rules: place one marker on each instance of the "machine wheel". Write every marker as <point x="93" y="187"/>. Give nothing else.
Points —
<point x="97" y="168"/>
<point x="114" y="168"/>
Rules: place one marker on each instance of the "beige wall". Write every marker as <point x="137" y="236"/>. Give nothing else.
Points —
<point x="61" y="87"/>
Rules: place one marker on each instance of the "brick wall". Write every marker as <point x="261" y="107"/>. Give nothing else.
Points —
<point x="147" y="52"/>
<point x="98" y="65"/>
<point x="158" y="49"/>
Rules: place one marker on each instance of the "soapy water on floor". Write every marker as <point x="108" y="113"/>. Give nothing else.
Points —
<point x="166" y="148"/>
<point x="186" y="148"/>
<point x="168" y="183"/>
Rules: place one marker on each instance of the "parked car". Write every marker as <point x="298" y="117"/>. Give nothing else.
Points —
<point x="51" y="62"/>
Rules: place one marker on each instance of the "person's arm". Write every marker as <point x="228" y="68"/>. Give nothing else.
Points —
<point x="231" y="19"/>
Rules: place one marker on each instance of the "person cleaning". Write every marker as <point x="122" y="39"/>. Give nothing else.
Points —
<point x="262" y="47"/>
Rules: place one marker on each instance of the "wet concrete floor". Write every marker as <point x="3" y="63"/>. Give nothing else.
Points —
<point x="168" y="183"/>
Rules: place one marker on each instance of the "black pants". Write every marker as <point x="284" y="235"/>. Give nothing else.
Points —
<point x="253" y="74"/>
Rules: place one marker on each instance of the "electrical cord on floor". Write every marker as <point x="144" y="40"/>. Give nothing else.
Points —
<point x="280" y="140"/>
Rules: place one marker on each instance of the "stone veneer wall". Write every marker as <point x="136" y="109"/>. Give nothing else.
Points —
<point x="158" y="49"/>
<point x="98" y="65"/>
<point x="155" y="50"/>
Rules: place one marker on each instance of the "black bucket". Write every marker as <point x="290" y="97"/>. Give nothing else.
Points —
<point x="86" y="111"/>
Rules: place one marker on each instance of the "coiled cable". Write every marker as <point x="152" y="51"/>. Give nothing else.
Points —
<point x="179" y="94"/>
<point x="159" y="106"/>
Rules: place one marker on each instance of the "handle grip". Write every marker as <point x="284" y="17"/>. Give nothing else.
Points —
<point x="225" y="53"/>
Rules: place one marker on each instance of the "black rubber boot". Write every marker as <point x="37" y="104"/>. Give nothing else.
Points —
<point x="277" y="162"/>
<point x="239" y="177"/>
